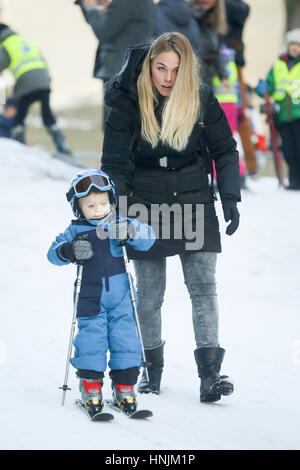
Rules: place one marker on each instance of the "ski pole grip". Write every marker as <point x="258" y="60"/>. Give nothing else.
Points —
<point x="65" y="388"/>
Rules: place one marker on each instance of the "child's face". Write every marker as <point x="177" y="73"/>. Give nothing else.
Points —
<point x="95" y="205"/>
<point x="294" y="49"/>
<point x="10" y="111"/>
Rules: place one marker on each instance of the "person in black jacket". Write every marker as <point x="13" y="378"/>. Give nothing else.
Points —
<point x="117" y="24"/>
<point x="177" y="15"/>
<point x="237" y="12"/>
<point x="211" y="19"/>
<point x="161" y="135"/>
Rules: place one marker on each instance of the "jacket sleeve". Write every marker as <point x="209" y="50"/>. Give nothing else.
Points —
<point x="117" y="144"/>
<point x="4" y="59"/>
<point x="222" y="149"/>
<point x="271" y="81"/>
<point x="109" y="25"/>
<point x="144" y="236"/>
<point x="53" y="254"/>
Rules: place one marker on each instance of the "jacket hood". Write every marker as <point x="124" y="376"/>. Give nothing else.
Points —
<point x="124" y="83"/>
<point x="178" y="11"/>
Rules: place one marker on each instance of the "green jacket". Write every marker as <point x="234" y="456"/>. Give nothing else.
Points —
<point x="284" y="87"/>
<point x="24" y="55"/>
<point x="30" y="75"/>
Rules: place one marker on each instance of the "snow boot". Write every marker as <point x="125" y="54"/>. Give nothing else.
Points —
<point x="59" y="139"/>
<point x="91" y="394"/>
<point x="124" y="397"/>
<point x="155" y="357"/>
<point x="18" y="133"/>
<point x="213" y="385"/>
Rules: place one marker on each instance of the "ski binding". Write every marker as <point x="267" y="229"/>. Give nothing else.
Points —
<point x="93" y="414"/>
<point x="138" y="414"/>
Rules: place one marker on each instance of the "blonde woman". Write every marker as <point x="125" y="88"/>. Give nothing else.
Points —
<point x="211" y="18"/>
<point x="161" y="134"/>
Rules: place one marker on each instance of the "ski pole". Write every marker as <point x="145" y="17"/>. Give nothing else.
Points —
<point x="65" y="387"/>
<point x="276" y="154"/>
<point x="133" y="301"/>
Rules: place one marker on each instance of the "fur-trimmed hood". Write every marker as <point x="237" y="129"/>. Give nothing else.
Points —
<point x="123" y="85"/>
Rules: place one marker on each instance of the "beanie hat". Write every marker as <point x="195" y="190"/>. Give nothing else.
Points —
<point x="293" y="36"/>
<point x="3" y="26"/>
<point x="11" y="101"/>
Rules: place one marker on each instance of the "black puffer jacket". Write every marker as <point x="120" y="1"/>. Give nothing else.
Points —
<point x="133" y="164"/>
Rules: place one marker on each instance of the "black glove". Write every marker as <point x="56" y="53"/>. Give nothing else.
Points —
<point x="231" y="213"/>
<point x="78" y="251"/>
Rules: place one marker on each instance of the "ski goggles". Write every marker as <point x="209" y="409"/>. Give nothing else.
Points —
<point x="83" y="186"/>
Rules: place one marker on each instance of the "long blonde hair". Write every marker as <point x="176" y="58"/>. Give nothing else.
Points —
<point x="216" y="16"/>
<point x="181" y="108"/>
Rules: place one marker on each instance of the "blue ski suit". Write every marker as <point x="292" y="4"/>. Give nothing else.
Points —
<point x="105" y="315"/>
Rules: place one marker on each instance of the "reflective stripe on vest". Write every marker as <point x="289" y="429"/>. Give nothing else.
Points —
<point x="287" y="82"/>
<point x="24" y="55"/>
<point x="223" y="94"/>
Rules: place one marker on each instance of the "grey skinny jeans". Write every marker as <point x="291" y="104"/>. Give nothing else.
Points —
<point x="199" y="276"/>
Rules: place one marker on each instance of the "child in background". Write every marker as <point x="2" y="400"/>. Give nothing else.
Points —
<point x="104" y="311"/>
<point x="7" y="119"/>
<point x="283" y="84"/>
<point x="254" y="116"/>
<point x="228" y="97"/>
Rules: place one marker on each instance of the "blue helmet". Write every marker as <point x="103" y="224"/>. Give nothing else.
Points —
<point x="82" y="184"/>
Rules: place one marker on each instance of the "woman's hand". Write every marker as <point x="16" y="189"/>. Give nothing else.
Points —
<point x="231" y="214"/>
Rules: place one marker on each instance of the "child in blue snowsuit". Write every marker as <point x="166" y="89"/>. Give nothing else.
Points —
<point x="105" y="314"/>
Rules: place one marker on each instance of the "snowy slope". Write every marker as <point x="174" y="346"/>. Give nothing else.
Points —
<point x="258" y="287"/>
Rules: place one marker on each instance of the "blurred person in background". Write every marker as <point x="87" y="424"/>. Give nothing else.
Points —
<point x="8" y="118"/>
<point x="229" y="98"/>
<point x="211" y="18"/>
<point x="176" y="15"/>
<point x="237" y="12"/>
<point x="283" y="84"/>
<point x="117" y="24"/>
<point x="32" y="83"/>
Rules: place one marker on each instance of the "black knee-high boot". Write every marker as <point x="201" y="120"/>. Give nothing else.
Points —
<point x="156" y="358"/>
<point x="213" y="385"/>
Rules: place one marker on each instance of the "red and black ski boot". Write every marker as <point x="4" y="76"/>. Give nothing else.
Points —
<point x="124" y="397"/>
<point x="91" y="395"/>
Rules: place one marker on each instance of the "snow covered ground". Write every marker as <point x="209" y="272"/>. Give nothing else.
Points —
<point x="258" y="289"/>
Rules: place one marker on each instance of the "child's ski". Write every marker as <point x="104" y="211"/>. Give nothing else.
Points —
<point x="94" y="416"/>
<point x="138" y="414"/>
